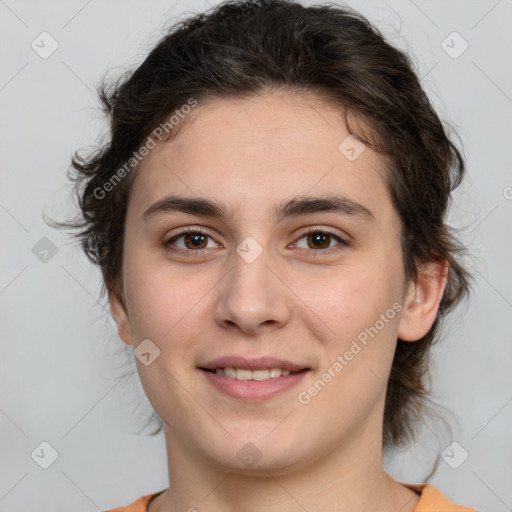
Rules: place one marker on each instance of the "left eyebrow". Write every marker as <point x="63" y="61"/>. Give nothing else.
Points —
<point x="332" y="203"/>
<point x="294" y="207"/>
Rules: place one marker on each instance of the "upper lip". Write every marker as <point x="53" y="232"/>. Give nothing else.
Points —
<point x="257" y="363"/>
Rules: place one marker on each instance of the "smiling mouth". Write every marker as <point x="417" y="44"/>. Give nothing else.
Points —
<point x="258" y="374"/>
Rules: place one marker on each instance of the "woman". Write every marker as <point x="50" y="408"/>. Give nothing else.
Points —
<point x="269" y="218"/>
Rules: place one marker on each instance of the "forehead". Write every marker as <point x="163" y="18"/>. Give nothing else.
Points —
<point x="259" y="150"/>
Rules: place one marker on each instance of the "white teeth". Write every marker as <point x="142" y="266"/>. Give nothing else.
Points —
<point x="242" y="374"/>
<point x="230" y="372"/>
<point x="260" y="374"/>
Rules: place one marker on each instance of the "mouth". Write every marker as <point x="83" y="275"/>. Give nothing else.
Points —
<point x="261" y="374"/>
<point x="253" y="380"/>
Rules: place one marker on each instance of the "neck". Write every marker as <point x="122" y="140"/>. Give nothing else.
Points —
<point x="350" y="479"/>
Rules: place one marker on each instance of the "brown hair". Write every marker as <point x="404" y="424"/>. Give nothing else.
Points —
<point x="241" y="48"/>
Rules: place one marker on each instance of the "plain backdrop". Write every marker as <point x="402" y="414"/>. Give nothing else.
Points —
<point x="61" y="361"/>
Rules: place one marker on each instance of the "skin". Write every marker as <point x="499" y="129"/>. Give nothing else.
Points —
<point x="252" y="154"/>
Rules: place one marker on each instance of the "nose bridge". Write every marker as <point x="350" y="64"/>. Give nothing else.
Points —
<point x="252" y="295"/>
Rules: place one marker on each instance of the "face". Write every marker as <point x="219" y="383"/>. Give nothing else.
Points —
<point x="317" y="285"/>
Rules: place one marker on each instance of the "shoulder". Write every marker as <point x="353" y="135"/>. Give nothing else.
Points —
<point x="139" y="505"/>
<point x="433" y="500"/>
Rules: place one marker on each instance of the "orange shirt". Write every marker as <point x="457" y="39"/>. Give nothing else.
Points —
<point x="432" y="500"/>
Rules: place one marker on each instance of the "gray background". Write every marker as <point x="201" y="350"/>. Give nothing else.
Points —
<point x="61" y="363"/>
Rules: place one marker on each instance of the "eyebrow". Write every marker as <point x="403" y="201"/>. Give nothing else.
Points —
<point x="294" y="207"/>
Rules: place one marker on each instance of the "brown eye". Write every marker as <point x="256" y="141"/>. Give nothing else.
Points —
<point x="321" y="240"/>
<point x="193" y="240"/>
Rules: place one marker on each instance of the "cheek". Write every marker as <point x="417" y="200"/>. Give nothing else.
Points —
<point x="360" y="308"/>
<point x="168" y="304"/>
<point x="157" y="311"/>
<point x="155" y="300"/>
<point x="352" y="299"/>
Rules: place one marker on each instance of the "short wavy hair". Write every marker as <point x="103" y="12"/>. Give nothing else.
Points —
<point x="244" y="48"/>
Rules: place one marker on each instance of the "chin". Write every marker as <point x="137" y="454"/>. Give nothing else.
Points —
<point x="259" y="457"/>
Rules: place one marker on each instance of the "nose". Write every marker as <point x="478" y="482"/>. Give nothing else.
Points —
<point x="253" y="297"/>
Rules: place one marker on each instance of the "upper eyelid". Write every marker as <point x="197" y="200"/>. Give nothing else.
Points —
<point x="301" y="234"/>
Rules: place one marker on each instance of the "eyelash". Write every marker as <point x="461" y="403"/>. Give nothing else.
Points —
<point x="199" y="231"/>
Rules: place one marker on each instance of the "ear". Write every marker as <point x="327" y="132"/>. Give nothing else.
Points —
<point x="422" y="300"/>
<point x="120" y="316"/>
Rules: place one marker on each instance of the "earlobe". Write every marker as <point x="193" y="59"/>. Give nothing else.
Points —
<point x="422" y="301"/>
<point x="120" y="316"/>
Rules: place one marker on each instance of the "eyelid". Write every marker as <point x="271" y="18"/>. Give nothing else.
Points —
<point x="185" y="231"/>
<point x="322" y="229"/>
<point x="342" y="239"/>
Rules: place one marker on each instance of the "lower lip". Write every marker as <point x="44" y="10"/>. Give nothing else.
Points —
<point x="253" y="390"/>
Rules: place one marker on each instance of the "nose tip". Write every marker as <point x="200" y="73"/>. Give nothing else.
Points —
<point x="252" y="297"/>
